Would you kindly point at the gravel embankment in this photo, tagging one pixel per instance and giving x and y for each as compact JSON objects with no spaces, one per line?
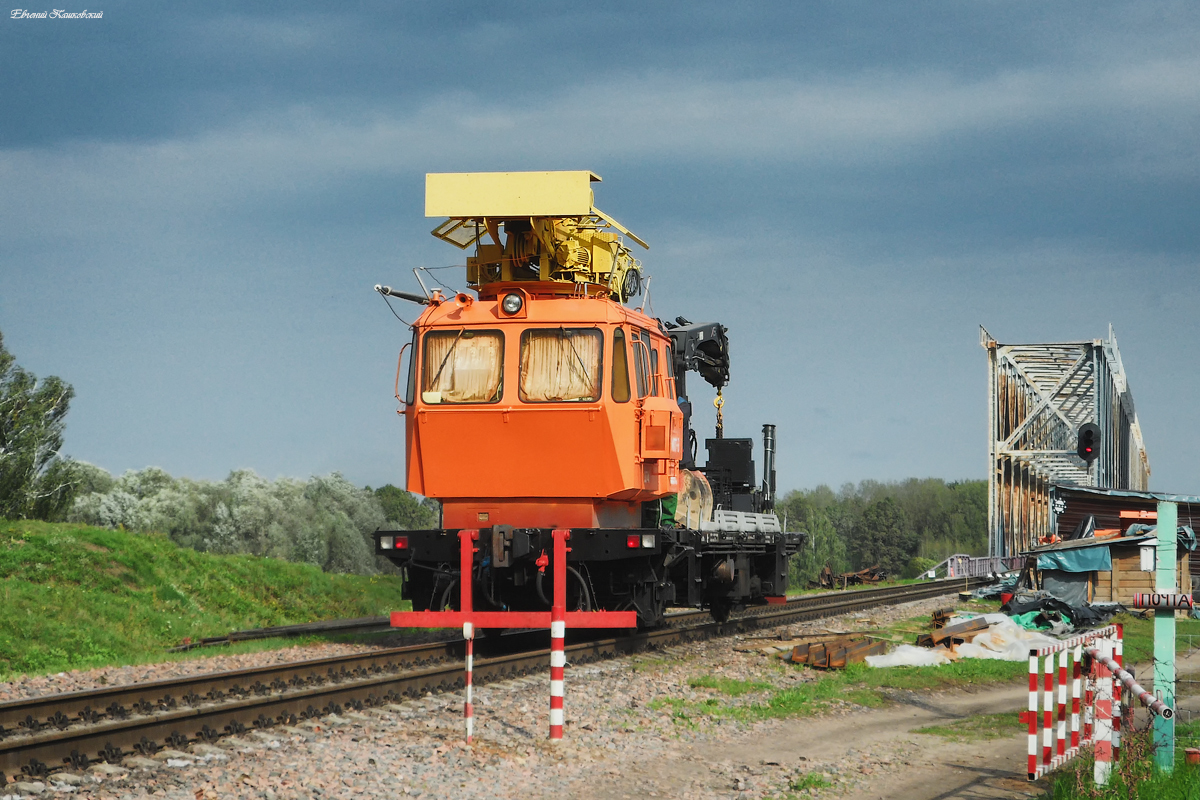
{"x":81,"y":680}
{"x":621,"y":730}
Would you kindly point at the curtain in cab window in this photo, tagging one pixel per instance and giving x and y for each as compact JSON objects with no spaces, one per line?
{"x":560,"y":364}
{"x":463,"y":367}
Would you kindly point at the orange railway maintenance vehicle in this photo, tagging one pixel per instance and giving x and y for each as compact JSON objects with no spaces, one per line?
{"x":546,"y":401}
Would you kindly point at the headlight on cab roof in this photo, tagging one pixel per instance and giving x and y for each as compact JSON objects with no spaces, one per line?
{"x":511,"y":303}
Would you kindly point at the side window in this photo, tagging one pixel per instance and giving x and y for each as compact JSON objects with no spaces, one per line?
{"x":462,"y":366}
{"x":651,"y":367}
{"x":654,"y":370}
{"x":669,"y":371}
{"x":411,"y":389}
{"x":620,"y":377}
{"x":561,"y":364}
{"x":641,"y":368}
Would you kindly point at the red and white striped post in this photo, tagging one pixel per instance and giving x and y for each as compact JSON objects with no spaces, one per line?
{"x":1089,"y":706}
{"x":1061,"y":749}
{"x":1048,"y":712}
{"x":468,"y":704}
{"x":1104,"y":717}
{"x":1119,"y":657}
{"x":558,"y":632}
{"x":1076,"y":680}
{"x":466,"y":578}
{"x":1032,"y":717}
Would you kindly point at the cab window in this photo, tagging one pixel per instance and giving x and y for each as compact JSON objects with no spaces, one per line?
{"x":463,"y":366}
{"x":411,"y":386}
{"x":669,"y":371}
{"x":653,"y":370}
{"x":641,"y":368}
{"x":560,"y":365}
{"x":620,"y":376}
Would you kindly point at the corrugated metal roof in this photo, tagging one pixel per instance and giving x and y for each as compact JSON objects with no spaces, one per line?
{"x":1078,"y":543}
{"x":1158,"y":496}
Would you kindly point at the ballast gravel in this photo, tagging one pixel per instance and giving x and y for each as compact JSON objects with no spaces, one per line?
{"x":623,"y":718}
{"x":26,"y":687}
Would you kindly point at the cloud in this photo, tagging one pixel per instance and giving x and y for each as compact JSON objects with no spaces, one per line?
{"x":1149,"y":111}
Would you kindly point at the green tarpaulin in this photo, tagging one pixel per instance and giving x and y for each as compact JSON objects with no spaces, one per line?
{"x":1083,"y":559}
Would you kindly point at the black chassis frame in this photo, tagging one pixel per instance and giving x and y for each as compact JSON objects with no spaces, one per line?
{"x":670,"y":567}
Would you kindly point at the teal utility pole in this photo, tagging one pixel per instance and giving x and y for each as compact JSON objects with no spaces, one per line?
{"x":1164,"y":637}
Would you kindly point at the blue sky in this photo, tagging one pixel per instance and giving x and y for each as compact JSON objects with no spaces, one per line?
{"x":196,"y":199}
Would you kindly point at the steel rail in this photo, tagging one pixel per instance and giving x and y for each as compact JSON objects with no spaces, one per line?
{"x":68,"y":728}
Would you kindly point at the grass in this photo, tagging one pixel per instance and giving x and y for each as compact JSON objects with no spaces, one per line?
{"x":729,"y":686}
{"x":1187,"y":734}
{"x":1139,"y":637}
{"x":1134,"y":776}
{"x":859,"y":586}
{"x":79,"y":597}
{"x":809,"y":780}
{"x":858,"y":684}
{"x":980,"y":728}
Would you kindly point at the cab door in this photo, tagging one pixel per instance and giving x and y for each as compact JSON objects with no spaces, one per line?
{"x":660,"y":422}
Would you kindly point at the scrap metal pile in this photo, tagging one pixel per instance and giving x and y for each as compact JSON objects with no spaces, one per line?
{"x":827,"y":580}
{"x":838,"y":653}
{"x":949,"y":636}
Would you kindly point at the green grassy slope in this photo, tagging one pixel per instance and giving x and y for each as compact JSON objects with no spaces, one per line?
{"x":73,"y":596}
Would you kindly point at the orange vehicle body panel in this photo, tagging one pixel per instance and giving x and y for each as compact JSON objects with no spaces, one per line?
{"x":545,"y":464}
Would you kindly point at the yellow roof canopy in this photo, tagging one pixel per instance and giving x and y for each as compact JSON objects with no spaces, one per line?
{"x":499,"y":195}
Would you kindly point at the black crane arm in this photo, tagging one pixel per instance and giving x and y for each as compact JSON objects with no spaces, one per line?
{"x":702,"y":348}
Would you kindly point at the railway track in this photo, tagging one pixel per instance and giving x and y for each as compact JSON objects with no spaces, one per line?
{"x":41,"y":735}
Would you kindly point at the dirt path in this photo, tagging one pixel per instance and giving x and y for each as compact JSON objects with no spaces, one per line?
{"x":865,"y":755}
{"x":886,"y":760}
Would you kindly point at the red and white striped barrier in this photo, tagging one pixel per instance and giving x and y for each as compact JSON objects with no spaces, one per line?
{"x":557,"y":619}
{"x":1097,"y":722}
{"x":1121,"y":677}
{"x":1049,"y":745}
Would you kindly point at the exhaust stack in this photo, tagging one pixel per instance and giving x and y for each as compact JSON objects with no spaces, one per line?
{"x":768,"y":488}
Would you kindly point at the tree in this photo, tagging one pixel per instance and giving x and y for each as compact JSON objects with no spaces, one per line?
{"x":34,"y":480}
{"x":884,"y":537}
{"x":402,"y":508}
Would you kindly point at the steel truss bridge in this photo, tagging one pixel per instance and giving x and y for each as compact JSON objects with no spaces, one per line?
{"x":1038,"y":397}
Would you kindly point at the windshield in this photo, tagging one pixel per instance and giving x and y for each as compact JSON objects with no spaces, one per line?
{"x":560,"y":364}
{"x":463,"y":366}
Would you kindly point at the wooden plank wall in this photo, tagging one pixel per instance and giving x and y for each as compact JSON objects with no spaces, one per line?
{"x":1127,"y":577}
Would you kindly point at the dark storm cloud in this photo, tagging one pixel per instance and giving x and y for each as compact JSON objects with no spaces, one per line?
{"x":148,"y":72}
{"x":201,"y":195}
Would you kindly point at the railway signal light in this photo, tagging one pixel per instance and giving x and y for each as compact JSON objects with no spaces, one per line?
{"x":1088,"y":447}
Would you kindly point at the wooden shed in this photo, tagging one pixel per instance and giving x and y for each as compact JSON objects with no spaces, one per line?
{"x":1112,"y":515}
{"x":1075,"y":571}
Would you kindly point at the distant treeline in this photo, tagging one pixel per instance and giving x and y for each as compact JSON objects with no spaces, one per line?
{"x":325,"y":521}
{"x":906,"y":527}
